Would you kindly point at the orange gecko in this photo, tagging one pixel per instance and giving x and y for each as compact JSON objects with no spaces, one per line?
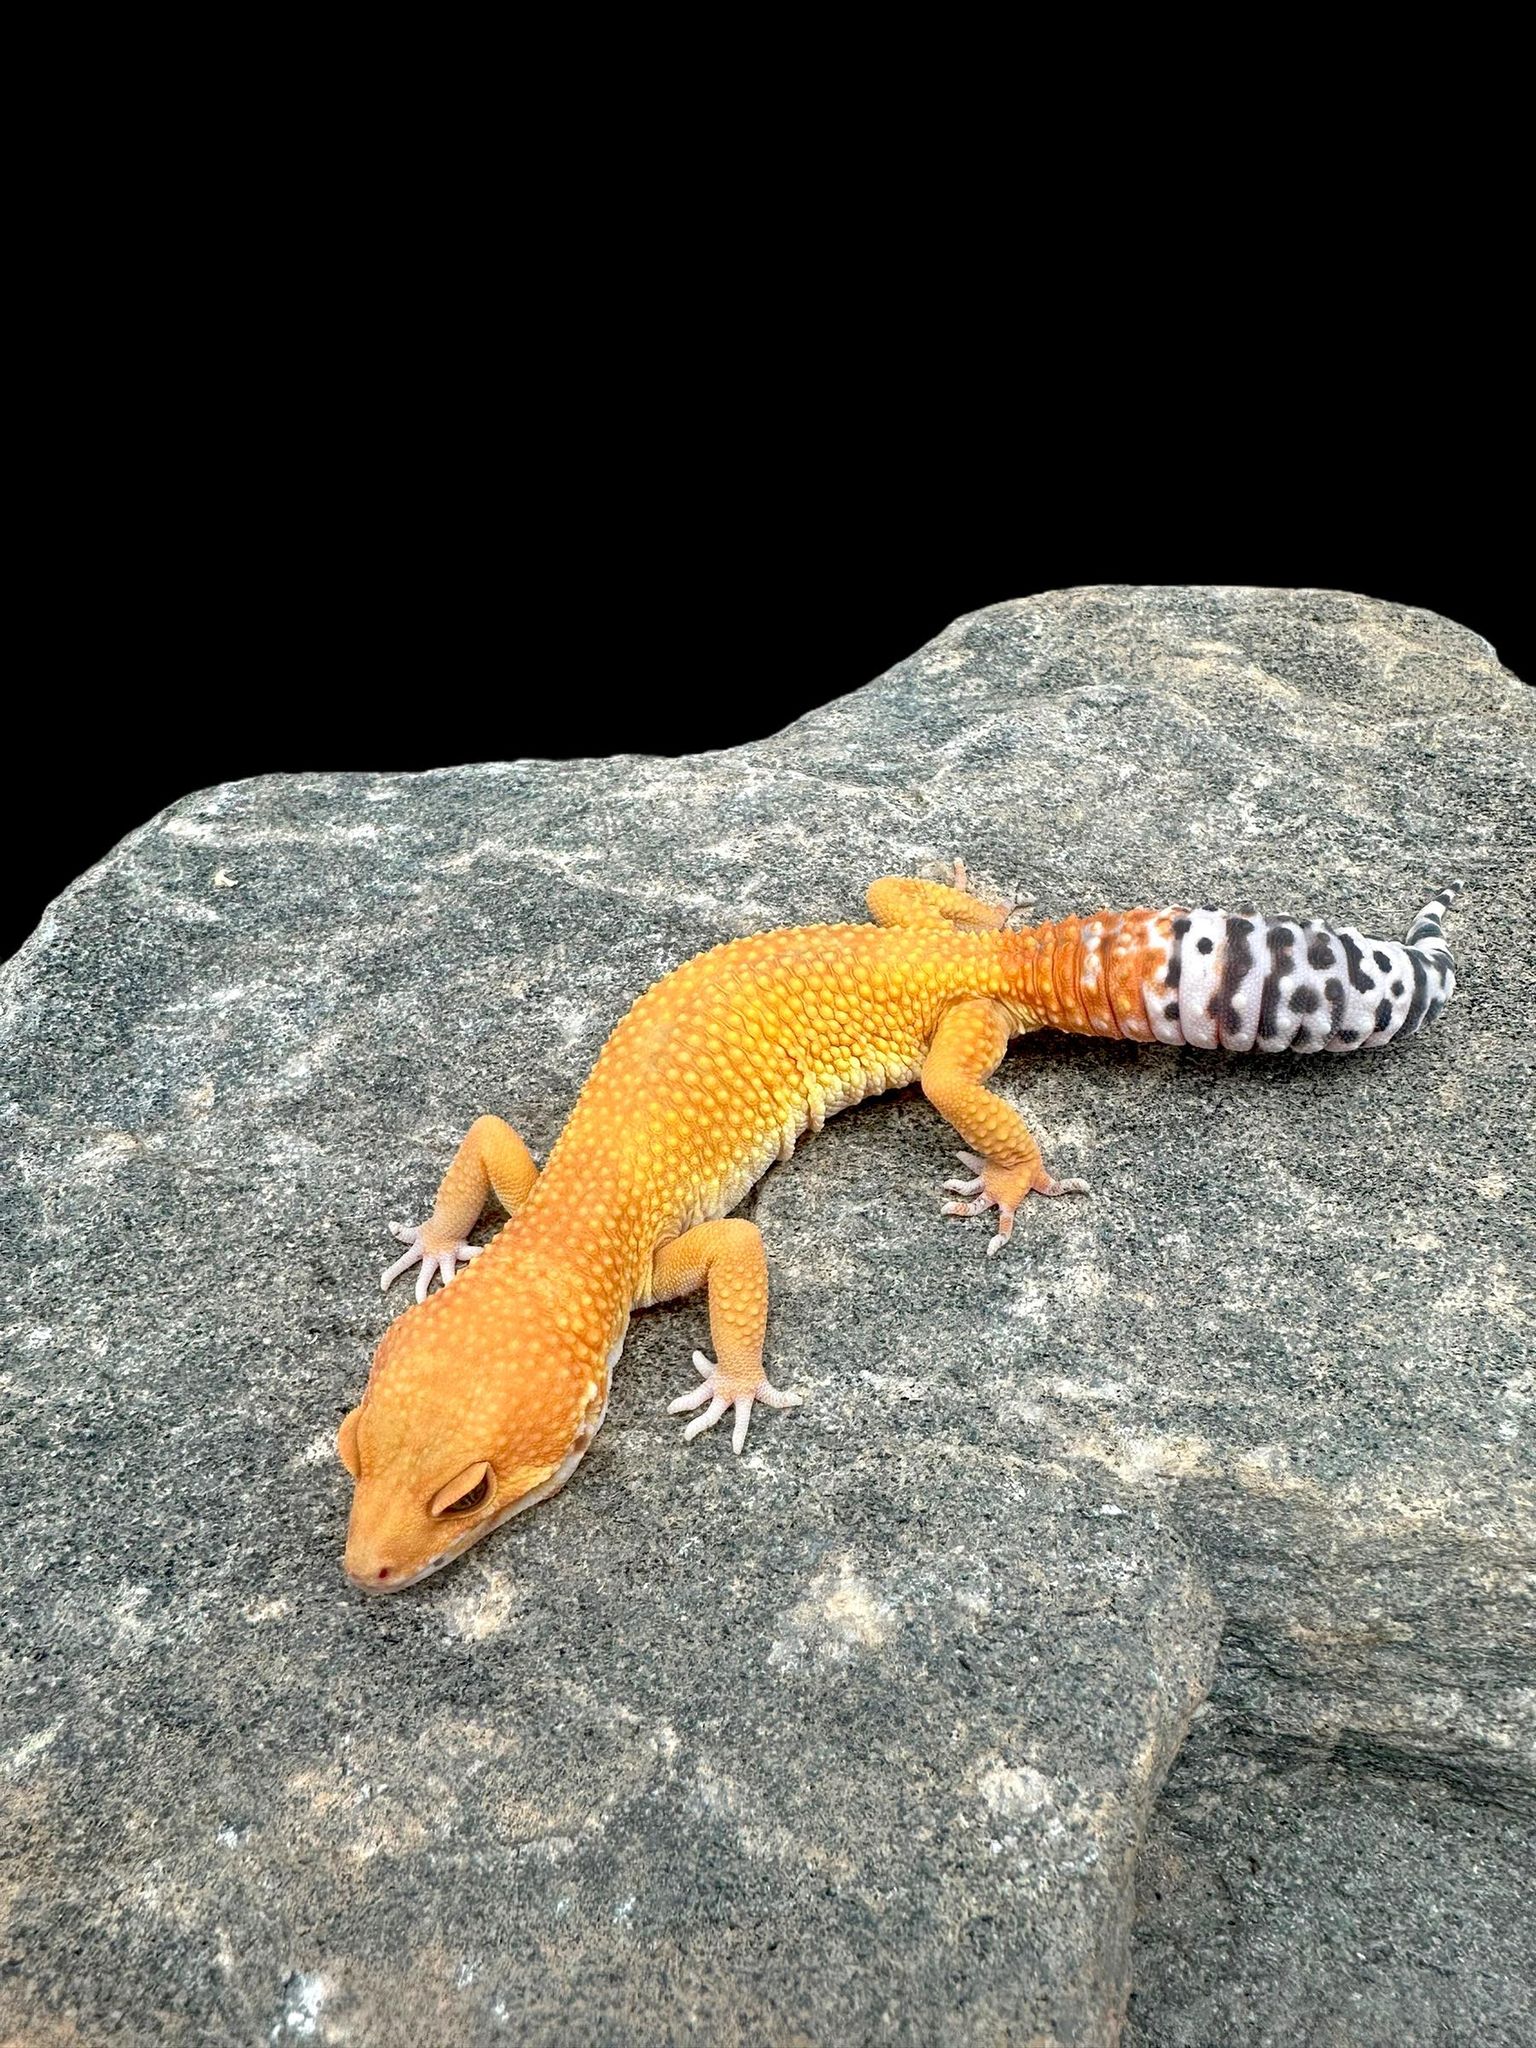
{"x":483,"y":1398}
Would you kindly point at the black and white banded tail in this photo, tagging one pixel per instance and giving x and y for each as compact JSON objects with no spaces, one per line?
{"x":1275,"y":984}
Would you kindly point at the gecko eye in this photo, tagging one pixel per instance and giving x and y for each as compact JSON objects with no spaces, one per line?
{"x":461,"y":1496}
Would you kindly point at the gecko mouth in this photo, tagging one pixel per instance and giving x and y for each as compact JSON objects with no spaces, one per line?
{"x":386,"y":1581}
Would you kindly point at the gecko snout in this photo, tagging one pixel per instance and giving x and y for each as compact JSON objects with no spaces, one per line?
{"x":374,"y":1570}
{"x":394,"y":1540}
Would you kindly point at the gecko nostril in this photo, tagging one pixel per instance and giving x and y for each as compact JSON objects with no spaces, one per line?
{"x":383,"y":1571}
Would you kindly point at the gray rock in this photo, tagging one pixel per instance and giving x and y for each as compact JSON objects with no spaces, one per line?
{"x":856,"y":1738}
{"x":1298,"y":1894}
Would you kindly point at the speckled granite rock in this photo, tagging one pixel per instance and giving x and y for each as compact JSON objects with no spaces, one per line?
{"x":856,"y":1738}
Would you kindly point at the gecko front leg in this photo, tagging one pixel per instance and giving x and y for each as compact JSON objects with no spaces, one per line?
{"x":492,"y":1157}
{"x":729,"y":1259}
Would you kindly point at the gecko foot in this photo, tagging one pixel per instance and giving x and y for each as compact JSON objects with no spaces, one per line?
{"x":1016,"y":899}
{"x":725,"y":1390}
{"x":436,"y":1254}
{"x":1002,"y":1188}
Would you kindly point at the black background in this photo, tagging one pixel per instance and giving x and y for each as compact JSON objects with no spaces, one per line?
{"x":389,"y":405}
{"x":272,"y":588}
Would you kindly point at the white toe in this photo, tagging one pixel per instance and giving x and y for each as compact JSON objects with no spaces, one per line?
{"x":684,"y":1402}
{"x":707,"y":1420}
{"x":392,"y":1273}
{"x":443,"y":1264}
{"x":772,"y":1398}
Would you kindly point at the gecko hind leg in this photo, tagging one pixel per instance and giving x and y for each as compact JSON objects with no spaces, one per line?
{"x":492,"y":1158}
{"x":965,"y":1051}
{"x":903,"y":904}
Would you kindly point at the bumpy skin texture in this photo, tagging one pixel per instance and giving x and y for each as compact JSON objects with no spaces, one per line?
{"x":483,"y":1398}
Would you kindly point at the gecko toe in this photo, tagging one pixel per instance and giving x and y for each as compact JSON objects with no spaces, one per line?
{"x":773,"y":1397}
{"x":707,"y":1420}
{"x":392,"y":1273}
{"x":684,"y":1402}
{"x":770,"y":1398}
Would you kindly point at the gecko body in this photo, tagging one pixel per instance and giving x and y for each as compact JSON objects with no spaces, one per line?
{"x":483,"y":1398}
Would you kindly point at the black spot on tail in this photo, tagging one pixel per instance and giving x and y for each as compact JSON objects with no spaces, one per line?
{"x":1304,"y":999}
{"x":1282,"y":940}
{"x":1334,"y":991}
{"x":1383,"y":1014}
{"x":1320,"y":951}
{"x":1239,"y":958}
{"x":1355,"y":961}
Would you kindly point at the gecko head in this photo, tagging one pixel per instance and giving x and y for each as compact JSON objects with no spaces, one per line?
{"x":451,"y":1438}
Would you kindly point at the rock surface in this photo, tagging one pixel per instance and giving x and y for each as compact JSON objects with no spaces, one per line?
{"x":1288,"y":1893}
{"x":857,"y":1738}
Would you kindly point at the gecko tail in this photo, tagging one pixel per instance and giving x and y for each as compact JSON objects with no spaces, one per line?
{"x":1237,"y":980}
{"x":1426,"y":924}
{"x":1277,"y":984}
